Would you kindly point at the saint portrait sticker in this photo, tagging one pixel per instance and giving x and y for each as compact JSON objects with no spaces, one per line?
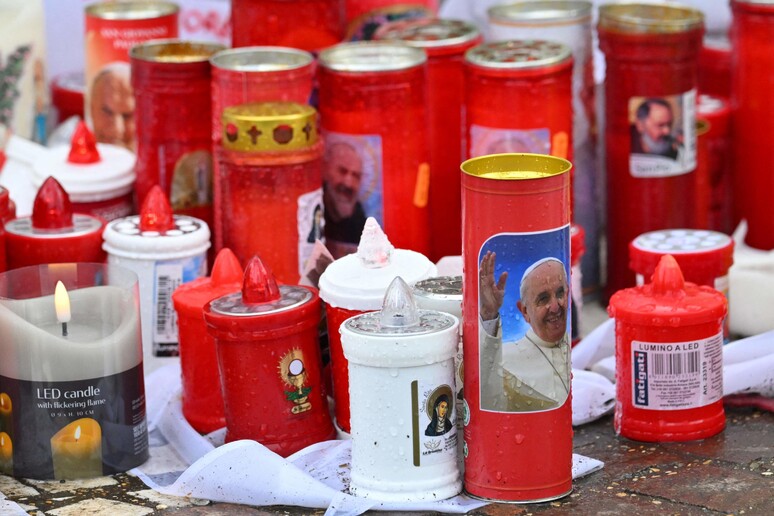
{"x":663,"y":135}
{"x":524,"y":321}
{"x":436,"y":438}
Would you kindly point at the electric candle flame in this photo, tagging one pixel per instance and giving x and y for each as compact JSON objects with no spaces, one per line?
{"x":62,"y":306}
{"x":77,"y":434}
{"x":374,"y":249}
{"x":399,"y":308}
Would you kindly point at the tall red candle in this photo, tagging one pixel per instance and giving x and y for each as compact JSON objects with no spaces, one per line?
{"x":445,"y":43}
{"x":373,"y":115}
{"x":269,"y":197}
{"x":715,"y":143}
{"x":171,"y":81}
{"x":651,"y":52}
{"x":534,"y":80}
{"x":305,"y":24}
{"x":269,"y":359}
{"x":98,"y":177}
{"x":752,"y":69}
{"x":53,"y":233}
{"x":516,"y":254}
{"x":202,"y":398}
{"x":715,"y":66}
{"x":669,"y":358}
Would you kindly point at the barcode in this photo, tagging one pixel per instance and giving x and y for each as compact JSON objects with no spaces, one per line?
{"x":164,"y":292}
{"x":676,"y":363}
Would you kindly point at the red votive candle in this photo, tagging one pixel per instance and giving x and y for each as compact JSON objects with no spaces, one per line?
{"x":202,"y":398}
{"x":715,"y":65}
{"x":752,"y":69}
{"x":445,"y":43}
{"x":714,"y":148}
{"x":651,"y":52}
{"x":669,"y":358}
{"x":269,"y":359}
{"x":577,"y":249}
{"x":98,"y":177}
{"x":269,"y":197}
{"x":355,"y":284}
{"x":305,"y":24}
{"x":171,"y":82}
{"x":534,"y":79}
{"x":53,"y":233}
{"x":374,"y":121}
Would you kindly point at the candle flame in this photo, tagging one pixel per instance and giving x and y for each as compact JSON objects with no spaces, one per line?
{"x":77,"y":432}
{"x":2,"y":401}
{"x":2,"y":441}
{"x":61,"y":303}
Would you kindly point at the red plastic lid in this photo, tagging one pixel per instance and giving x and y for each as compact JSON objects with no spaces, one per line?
{"x":226,"y":277}
{"x":703,"y":255}
{"x":669,"y":301}
{"x":260,"y":285}
{"x":83,"y":146}
{"x":577,"y":243}
{"x":156,"y":212}
{"x":52,"y":208}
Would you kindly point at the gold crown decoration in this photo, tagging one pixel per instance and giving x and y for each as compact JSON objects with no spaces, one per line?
{"x":269,"y":127}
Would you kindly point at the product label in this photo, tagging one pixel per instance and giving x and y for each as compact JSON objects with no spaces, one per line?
{"x":524,"y":321}
{"x":74,"y":429}
{"x":352,"y":188}
{"x":488,"y":140}
{"x":311,"y":225}
{"x":191,"y":179}
{"x":677,"y":375}
{"x":663,"y":135}
{"x":168,"y":275}
{"x":433,"y":416}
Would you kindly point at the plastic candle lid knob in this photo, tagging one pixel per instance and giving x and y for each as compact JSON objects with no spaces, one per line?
{"x":226,"y":269}
{"x":374,"y":249}
{"x":668,"y":278}
{"x":52,"y":208}
{"x":399,"y":308}
{"x":83,"y":146}
{"x":259,"y":285}
{"x":156,"y":213}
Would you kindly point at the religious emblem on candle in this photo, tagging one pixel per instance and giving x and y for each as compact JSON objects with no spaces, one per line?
{"x":6,"y":414}
{"x":439,"y":409}
{"x":293,"y":373}
{"x":62,"y":306}
{"x":6,"y":454}
{"x":76,"y":450}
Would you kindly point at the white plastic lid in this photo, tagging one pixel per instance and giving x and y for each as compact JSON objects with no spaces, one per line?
{"x":359,"y":281}
{"x":124,"y":238}
{"x":111,"y":177}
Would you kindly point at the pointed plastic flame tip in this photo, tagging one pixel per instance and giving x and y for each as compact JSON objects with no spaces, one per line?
{"x":52,"y":208}
{"x":668,"y":278}
{"x":399,"y":309}
{"x":83,"y":146}
{"x":156,"y":213}
{"x":226,"y":269}
{"x":374,"y":249}
{"x":259,"y":285}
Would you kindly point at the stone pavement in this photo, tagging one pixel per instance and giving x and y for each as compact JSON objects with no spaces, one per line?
{"x":731,"y":473}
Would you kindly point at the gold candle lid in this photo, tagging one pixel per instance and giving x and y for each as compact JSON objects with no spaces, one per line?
{"x":663,"y":18}
{"x":269,"y":127}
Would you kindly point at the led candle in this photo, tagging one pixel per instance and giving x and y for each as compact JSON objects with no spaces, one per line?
{"x":269,"y":196}
{"x":98,"y":177}
{"x":752,"y":60}
{"x":65,"y":383}
{"x":356,"y":284}
{"x":269,"y":359}
{"x":401,"y":372}
{"x":202,"y":398}
{"x":76,"y":450}
{"x":165,"y":250}
{"x":651,"y":55}
{"x":112,"y":28}
{"x":53,"y":233}
{"x":445,"y":43}
{"x":516,"y":292}
{"x":669,"y":358}
{"x":171,"y":82}
{"x":373,"y":111}
{"x":306,"y":24}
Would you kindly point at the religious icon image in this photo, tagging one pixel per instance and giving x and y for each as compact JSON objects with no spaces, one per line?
{"x":439,"y":409}
{"x":293,"y":373}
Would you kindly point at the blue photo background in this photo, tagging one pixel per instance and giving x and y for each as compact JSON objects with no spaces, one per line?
{"x":515,"y":253}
